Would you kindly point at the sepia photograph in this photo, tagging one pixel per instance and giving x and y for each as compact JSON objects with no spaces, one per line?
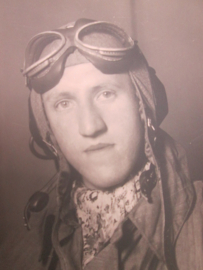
{"x":101,"y":141}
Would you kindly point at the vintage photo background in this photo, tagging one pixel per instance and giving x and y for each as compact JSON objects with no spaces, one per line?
{"x":170,"y":33}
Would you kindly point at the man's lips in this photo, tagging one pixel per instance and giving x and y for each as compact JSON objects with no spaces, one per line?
{"x":98,"y":147}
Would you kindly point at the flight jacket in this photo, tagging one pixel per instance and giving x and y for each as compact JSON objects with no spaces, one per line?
{"x":164,"y":234}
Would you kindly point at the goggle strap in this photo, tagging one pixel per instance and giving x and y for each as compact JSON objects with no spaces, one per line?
{"x":39,"y":68}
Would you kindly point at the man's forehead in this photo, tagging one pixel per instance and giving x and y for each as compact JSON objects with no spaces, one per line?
{"x":85,"y":77}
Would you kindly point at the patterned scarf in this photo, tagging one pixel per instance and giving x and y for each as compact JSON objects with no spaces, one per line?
{"x":100,"y":212}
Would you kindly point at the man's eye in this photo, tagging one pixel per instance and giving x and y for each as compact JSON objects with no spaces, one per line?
{"x":64,"y":104}
{"x":106,"y":95}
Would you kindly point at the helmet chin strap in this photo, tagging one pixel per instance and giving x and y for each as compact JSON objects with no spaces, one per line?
{"x":38,"y":154}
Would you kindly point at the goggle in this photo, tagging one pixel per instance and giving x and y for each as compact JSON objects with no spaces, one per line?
{"x":44,"y":72}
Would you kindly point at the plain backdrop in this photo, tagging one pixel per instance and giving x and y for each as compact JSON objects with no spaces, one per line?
{"x":169,"y":32}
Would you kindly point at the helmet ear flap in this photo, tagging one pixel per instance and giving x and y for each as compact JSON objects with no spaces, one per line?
{"x":160,"y":96}
{"x":36,"y":138}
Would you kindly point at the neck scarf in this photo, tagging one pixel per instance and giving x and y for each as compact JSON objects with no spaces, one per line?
{"x":100,"y":212}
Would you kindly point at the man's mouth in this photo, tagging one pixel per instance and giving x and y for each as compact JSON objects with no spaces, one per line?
{"x":98,"y":147}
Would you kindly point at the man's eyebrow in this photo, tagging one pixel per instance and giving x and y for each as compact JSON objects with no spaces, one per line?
{"x":104,"y":86}
{"x":70,"y":94}
{"x":58,"y":95}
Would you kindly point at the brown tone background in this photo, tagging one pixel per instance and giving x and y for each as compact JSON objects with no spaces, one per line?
{"x":170,"y":33}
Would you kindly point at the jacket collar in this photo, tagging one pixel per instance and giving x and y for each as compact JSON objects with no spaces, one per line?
{"x":149,"y":220}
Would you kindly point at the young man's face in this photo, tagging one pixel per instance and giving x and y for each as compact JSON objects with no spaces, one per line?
{"x":95,"y":120}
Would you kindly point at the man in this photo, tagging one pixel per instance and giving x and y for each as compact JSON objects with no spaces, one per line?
{"x":124,"y":197}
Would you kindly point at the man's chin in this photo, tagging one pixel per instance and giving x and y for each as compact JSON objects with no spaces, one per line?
{"x":104,"y":182}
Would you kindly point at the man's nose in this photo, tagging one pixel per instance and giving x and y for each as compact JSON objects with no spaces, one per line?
{"x":91,"y":122}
